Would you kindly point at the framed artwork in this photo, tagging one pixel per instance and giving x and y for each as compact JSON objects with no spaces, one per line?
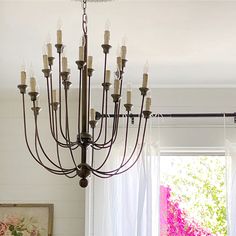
{"x":26,"y":219}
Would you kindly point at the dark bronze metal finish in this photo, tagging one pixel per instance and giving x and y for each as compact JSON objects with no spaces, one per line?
{"x":59,"y":48}
{"x":147,"y":114}
{"x":128,"y":106}
{"x":93,"y":123}
{"x":80,"y":64}
{"x":116,"y":97}
{"x":64,"y":75}
{"x":85,"y":138}
{"x":50,"y":61}
{"x":22,"y":88}
{"x":106,"y":85}
{"x":66,"y":84}
{"x":143,"y":91}
{"x":33,"y":96}
{"x":106,"y":48}
{"x":90,"y":72}
{"x":55,"y":106}
{"x":36,"y":110}
{"x":46,"y":72}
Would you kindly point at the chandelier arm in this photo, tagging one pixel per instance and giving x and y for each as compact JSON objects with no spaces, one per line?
{"x":51,"y":116}
{"x":110,"y":147}
{"x":92,"y":156}
{"x":67,"y":129}
{"x":50,"y":100}
{"x":136,"y":143}
{"x":105,"y":175}
{"x":60,"y":93}
{"x":125,"y":149}
{"x":106,"y":105}
{"x":98,"y":146}
{"x":37,"y":140}
{"x":59,"y":159}
{"x":28,"y":146}
{"x":79,"y":105}
{"x":68,"y":135}
{"x":103,"y":99}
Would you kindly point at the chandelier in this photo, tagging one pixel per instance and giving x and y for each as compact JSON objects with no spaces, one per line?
{"x":89,"y":120}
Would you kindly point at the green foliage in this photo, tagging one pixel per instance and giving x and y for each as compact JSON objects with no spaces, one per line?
{"x":199,"y":182}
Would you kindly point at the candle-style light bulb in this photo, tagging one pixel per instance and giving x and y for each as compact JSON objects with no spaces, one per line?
{"x":49,"y":46}
{"x":23,"y":75}
{"x":81,"y":53}
{"x":107,"y":76}
{"x":148,"y":103}
{"x":45,"y":58}
{"x":129,"y":94}
{"x":92,"y":114}
{"x":118,"y":59}
{"x":107,"y":32}
{"x":59,"y":31}
{"x":145,"y":75}
{"x":32,"y":84}
{"x":123,"y":49}
{"x":64,"y":63}
{"x":90,"y":62}
{"x":54,"y":95}
{"x":116,"y":86}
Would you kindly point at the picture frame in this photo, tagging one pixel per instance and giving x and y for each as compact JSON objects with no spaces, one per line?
{"x":26,"y":219}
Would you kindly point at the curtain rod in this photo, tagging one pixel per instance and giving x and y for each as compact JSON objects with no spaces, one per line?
{"x":174,"y":115}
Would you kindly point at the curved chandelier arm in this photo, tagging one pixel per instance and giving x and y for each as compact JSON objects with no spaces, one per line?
{"x":104,"y":174}
{"x":59,"y":160}
{"x":79,"y":104}
{"x":58,"y":172}
{"x":37,"y":140}
{"x":136,"y":143}
{"x":98,"y":146}
{"x":51,"y":115}
{"x":103,"y":99}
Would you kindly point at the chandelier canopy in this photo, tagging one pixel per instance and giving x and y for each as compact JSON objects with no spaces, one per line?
{"x":88,"y":118}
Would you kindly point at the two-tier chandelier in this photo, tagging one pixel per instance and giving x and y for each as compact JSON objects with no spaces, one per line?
{"x":88,"y":118}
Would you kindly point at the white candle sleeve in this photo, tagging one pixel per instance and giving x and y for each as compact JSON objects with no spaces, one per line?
{"x":90,"y":62}
{"x":123,"y":52}
{"x":23,"y":77}
{"x":49,"y":49}
{"x":106,"y":36}
{"x":129,"y":95}
{"x":116,"y":86}
{"x":119,"y":63}
{"x":148,"y":103}
{"x":64,"y":64}
{"x":81,"y":53}
{"x":108,"y":75}
{"x":145,"y":80}
{"x":59,"y":36}
{"x":33,"y":84}
{"x":45,"y":61}
{"x":92,"y":114}
{"x":54,"y":95}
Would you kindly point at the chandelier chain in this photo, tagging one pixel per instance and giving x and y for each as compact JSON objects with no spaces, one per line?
{"x":84,"y":17}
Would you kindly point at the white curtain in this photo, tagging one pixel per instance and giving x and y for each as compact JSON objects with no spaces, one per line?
{"x":231,"y":187}
{"x":128,"y":204}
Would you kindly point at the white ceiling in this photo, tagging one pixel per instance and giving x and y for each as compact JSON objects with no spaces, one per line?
{"x":187,"y":43}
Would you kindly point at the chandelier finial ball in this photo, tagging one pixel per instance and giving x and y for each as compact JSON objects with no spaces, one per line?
{"x":83,"y":183}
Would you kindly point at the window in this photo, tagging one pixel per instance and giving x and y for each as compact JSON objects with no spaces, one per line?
{"x":193,"y":195}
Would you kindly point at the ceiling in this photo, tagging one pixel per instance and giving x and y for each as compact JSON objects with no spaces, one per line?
{"x":187,"y":43}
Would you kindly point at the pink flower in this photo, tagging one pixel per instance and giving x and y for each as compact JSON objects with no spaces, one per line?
{"x":3,"y":228}
{"x":12,"y":220}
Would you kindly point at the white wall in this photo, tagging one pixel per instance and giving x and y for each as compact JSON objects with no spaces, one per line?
{"x":23,"y":181}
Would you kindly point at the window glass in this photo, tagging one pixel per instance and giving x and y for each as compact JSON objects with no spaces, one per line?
{"x":193,"y":196}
